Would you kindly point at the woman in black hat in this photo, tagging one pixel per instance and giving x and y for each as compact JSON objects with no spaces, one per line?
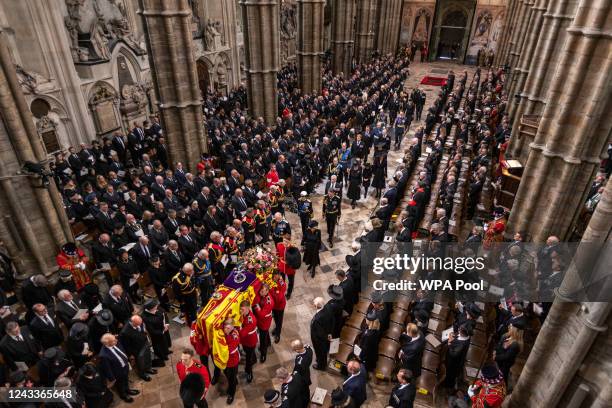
{"x":368,"y":342}
{"x":312,"y":245}
{"x":77,"y":344}
{"x":103,"y":323}
{"x":340,"y":399}
{"x":355,"y":179}
{"x":53,"y":364}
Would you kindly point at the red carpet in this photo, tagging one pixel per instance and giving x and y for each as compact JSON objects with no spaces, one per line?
{"x":434,"y":81}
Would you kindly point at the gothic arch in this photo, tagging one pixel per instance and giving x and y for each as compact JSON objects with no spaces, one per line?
{"x":204,"y":68}
{"x":133,"y":64}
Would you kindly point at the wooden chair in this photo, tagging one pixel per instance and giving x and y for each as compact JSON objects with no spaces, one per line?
{"x":430,"y":361}
{"x":394,"y":331}
{"x":388,"y":348}
{"x":385,"y":367}
{"x":426,"y":388}
{"x":349,"y":334}
{"x":355,"y":320}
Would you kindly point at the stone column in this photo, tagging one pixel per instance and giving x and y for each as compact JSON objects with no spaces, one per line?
{"x":574,"y":130}
{"x":503,"y":42}
{"x":388,"y":26}
{"x":262,"y":53}
{"x":568,"y":332}
{"x":552,"y":35}
{"x":526,"y":53}
{"x":517,"y":7}
{"x":343,"y":19}
{"x":366,"y":17}
{"x":519,"y":36}
{"x":310,"y":44}
{"x":167,"y":27}
{"x":33,"y":223}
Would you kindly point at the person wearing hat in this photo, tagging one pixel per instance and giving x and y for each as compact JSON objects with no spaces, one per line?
{"x":73,"y":259}
{"x":340,"y":399}
{"x":45,"y":328}
{"x":403,"y":394}
{"x":489,"y":391}
{"x":103,"y":323}
{"x":91,"y":386}
{"x":157,"y":324}
{"x":466,"y":315}
{"x":193,"y":391}
{"x":294,"y":390}
{"x":355,"y":179}
{"x":508,"y":348}
{"x":272,"y":398}
{"x":368,"y":342}
{"x":305,"y":212}
{"x":77,"y":344}
{"x":332,"y":210}
{"x":53,"y":364}
{"x":336,"y":305}
{"x":312,"y":246}
{"x":411,"y":352}
{"x":458,"y":346}
{"x":64,"y":281}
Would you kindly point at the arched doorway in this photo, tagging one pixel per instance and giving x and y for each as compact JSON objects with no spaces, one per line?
{"x":203,"y":77}
{"x":452,"y":29}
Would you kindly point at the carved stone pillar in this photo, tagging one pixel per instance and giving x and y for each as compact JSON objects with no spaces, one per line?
{"x":343,"y":19}
{"x":366,"y":18}
{"x":262,"y":54}
{"x":390,"y":15}
{"x":519,"y":36}
{"x":167,"y":27}
{"x":526,"y":53}
{"x":514,"y":28}
{"x":33,"y":223}
{"x":310,"y":44}
{"x":574,"y":130}
{"x":551,"y":38}
{"x":506,"y":31}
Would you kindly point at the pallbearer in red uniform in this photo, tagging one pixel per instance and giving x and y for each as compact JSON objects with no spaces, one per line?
{"x":190,"y":366}
{"x":248,"y":337}
{"x":278,"y":296}
{"x":232,"y":337}
{"x":488,"y":391}
{"x":263,"y":306}
{"x":199,"y":344}
{"x":281,"y":248}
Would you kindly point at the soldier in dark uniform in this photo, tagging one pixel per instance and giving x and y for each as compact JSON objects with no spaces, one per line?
{"x":158,"y":327}
{"x":203,"y":276}
{"x":294,"y":390}
{"x":404,"y":393}
{"x":249,"y":224}
{"x":332,"y":211}
{"x":305,"y":211}
{"x":186,"y":292}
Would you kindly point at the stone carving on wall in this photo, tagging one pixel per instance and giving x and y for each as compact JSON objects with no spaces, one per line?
{"x":103,"y":104}
{"x":483,"y":25}
{"x":119,"y":29}
{"x":28,"y":81}
{"x":213,"y":38}
{"x":288,"y":29}
{"x":99,"y":39}
{"x":45,"y":124}
{"x":195,"y":18}
{"x":72,"y":21}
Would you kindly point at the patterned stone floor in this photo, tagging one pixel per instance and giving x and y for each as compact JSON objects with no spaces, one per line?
{"x":162,"y":391}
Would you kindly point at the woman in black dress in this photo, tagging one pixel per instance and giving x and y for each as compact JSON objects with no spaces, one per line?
{"x":366,"y":178}
{"x":77,"y":344}
{"x":128,"y":270}
{"x":380,"y":174}
{"x":312,"y":245}
{"x":509,"y":346}
{"x":355,"y":179}
{"x":93,"y":388}
{"x":368,"y":342}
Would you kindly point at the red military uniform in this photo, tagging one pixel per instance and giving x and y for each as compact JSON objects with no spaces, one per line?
{"x":196,"y":367}
{"x":263,"y":311}
{"x":248,"y":331}
{"x":282,"y":266}
{"x":231,"y":248}
{"x":197,"y":340}
{"x":72,"y":263}
{"x":233,"y":341}
{"x":491,"y":394}
{"x":278,"y":295}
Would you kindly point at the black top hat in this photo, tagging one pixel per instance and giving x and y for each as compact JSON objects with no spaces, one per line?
{"x":338,"y":397}
{"x":105,"y":317}
{"x":150,"y":304}
{"x":490,"y":374}
{"x":271,"y":396}
{"x":313,"y":224}
{"x":335,"y":292}
{"x":69,"y":249}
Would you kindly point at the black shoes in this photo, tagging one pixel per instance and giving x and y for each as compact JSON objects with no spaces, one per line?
{"x":230,"y":399}
{"x":146,"y":378}
{"x":249,"y":377}
{"x":276,"y":339}
{"x":133,"y":392}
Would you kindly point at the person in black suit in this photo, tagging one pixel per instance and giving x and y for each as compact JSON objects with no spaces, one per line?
{"x":348,"y":290}
{"x":45,"y":328}
{"x":458,"y":346}
{"x":368,"y":341}
{"x":135,"y":341}
{"x":391,"y":194}
{"x":129,"y":272}
{"x":403,"y":233}
{"x":77,"y":344}
{"x":119,"y":304}
{"x":158,"y":327}
{"x":114,"y":367}
{"x":411,"y":352}
{"x":355,"y":385}
{"x":105,"y":221}
{"x":158,"y":237}
{"x":384,"y":213}
{"x":294,"y":389}
{"x":239,"y":203}
{"x":303,"y":359}
{"x":53,"y":364}
{"x":333,"y":183}
{"x":173,"y":258}
{"x":250,"y":193}
{"x":514,"y":317}
{"x":187,"y":243}
{"x":67,"y":306}
{"x":421,"y":305}
{"x":404,"y":393}
{"x":142,"y":252}
{"x":91,"y":386}
{"x":119,"y":146}
{"x":33,"y":291}
{"x":19,"y":345}
{"x":160,"y":277}
{"x":321,"y":327}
